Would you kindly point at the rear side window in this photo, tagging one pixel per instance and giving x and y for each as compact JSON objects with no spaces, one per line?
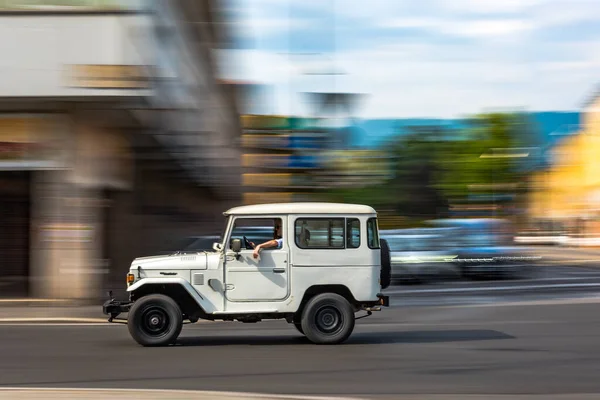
{"x":372,"y":233}
{"x":352,"y":233}
{"x":320,"y":233}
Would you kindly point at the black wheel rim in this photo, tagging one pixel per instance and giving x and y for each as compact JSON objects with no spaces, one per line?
{"x":155,"y":321}
{"x":328,"y":320}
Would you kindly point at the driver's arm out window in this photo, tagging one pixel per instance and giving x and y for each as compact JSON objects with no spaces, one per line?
{"x":254,"y":231}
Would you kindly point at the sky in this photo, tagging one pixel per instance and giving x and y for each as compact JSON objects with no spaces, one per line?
{"x":419,"y":58}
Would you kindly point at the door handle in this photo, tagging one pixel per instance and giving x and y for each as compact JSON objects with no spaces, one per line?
{"x":279,"y":270}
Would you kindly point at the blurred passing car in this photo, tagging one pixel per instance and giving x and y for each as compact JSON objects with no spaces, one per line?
{"x":485,"y":248}
{"x":422,"y":254}
{"x":192,"y":244}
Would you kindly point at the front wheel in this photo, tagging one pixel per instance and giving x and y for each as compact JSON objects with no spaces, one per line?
{"x":328,"y":318}
{"x":155,"y":320}
{"x":298,"y":327}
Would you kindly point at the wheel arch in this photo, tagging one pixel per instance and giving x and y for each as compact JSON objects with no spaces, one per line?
{"x":189,"y":307}
{"x":315,"y":290}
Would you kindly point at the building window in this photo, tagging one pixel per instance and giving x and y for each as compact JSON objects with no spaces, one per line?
{"x":320,"y":233}
{"x":372,"y":234}
{"x":352,"y":233}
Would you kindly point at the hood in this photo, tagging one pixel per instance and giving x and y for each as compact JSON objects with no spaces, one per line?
{"x":147,"y":259}
{"x":180,"y":260}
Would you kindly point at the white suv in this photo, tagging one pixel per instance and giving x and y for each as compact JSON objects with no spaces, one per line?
{"x":313,"y":264}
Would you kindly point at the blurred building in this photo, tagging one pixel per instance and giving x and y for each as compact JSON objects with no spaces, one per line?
{"x":566,"y":195}
{"x":283,"y":158}
{"x":115,"y":137}
{"x":357,"y":168}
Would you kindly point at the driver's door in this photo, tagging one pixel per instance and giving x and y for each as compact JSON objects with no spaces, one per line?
{"x":262,"y":279}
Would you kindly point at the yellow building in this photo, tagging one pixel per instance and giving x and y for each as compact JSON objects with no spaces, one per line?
{"x":568,"y":192}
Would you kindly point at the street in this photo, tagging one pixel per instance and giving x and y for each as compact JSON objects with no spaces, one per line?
{"x":533,"y":341}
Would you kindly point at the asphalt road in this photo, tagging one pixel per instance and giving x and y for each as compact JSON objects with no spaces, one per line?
{"x":522,"y":347}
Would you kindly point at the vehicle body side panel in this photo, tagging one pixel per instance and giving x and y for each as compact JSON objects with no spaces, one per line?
{"x":203,"y":299}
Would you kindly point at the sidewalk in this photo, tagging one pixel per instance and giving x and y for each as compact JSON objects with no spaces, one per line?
{"x":43,"y":310}
{"x":561,"y":254}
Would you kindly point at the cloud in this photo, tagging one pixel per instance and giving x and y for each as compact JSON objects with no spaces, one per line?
{"x":255,"y":66}
{"x":488,"y":6}
{"x":432,"y":58}
{"x":488,"y":28}
{"x":562,"y":13}
{"x":463,"y":28}
{"x":268,"y":26}
{"x":400,"y":87}
{"x":409,"y":22}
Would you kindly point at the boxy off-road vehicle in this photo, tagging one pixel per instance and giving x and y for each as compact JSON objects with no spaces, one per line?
{"x":325,"y":265}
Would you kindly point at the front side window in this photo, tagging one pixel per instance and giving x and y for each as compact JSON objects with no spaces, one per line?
{"x":254,"y":231}
{"x":319,"y":233}
{"x":372,"y":233}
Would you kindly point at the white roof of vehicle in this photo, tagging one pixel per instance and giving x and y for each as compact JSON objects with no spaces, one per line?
{"x":301,"y":208}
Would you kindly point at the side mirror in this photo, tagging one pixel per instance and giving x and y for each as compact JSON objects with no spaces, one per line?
{"x":236,"y":245}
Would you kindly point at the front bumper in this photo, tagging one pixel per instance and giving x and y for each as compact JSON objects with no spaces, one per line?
{"x":113,"y":308}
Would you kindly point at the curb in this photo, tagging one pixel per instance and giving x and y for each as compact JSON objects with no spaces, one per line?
{"x":118,"y":394}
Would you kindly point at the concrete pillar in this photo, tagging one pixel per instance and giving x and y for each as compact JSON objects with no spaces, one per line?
{"x":66,"y":241}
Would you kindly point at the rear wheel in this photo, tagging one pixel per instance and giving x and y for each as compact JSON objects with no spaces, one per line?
{"x":155,"y":320}
{"x":328,"y":318}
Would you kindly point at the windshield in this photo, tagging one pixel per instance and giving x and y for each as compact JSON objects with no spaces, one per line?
{"x":223,"y":237}
{"x":202,"y":243}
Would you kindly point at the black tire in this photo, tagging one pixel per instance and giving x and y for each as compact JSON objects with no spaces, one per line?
{"x":386,"y":265}
{"x":155,"y":320}
{"x":328,"y":318}
{"x":298,"y":327}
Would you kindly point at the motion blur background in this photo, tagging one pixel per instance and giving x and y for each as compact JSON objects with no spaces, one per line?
{"x":128,"y":127}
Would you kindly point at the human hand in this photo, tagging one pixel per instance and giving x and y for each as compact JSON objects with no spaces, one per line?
{"x":256,"y":252}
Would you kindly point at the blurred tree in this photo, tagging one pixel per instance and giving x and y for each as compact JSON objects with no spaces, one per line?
{"x":412,"y":190}
{"x":494,"y":152}
{"x":434,"y":166}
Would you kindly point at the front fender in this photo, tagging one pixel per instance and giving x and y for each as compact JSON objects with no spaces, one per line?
{"x":203,"y":303}
{"x":166,"y":281}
